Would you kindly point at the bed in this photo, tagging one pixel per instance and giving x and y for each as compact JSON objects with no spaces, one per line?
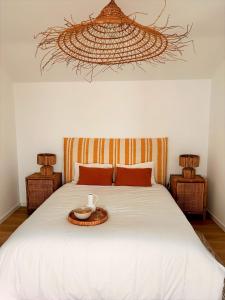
{"x":146,"y":250}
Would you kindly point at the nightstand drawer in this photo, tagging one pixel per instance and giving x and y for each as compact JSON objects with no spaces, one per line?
{"x":190,"y":196}
{"x":190,"y":193}
{"x":35,"y":185}
{"x":39,"y":191}
{"x":40,"y":187}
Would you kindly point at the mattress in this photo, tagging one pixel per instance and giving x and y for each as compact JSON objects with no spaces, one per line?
{"x":147,"y":250}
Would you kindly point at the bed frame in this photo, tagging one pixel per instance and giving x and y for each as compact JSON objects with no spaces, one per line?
{"x":114,"y":151}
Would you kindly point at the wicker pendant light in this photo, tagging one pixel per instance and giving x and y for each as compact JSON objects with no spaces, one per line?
{"x":112,"y":39}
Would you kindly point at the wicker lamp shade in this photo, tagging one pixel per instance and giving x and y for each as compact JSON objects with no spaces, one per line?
{"x":111,"y":39}
{"x":47,"y":160}
{"x":189,"y":162}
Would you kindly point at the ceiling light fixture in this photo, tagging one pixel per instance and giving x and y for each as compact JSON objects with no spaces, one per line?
{"x":110,"y":40}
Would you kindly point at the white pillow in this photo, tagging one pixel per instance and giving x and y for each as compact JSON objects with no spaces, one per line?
{"x":149,"y":164}
{"x":93,"y":165}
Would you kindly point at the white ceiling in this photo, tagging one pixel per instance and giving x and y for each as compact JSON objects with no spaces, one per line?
{"x":21,"y":19}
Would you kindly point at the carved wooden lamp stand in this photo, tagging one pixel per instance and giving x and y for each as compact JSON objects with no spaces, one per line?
{"x":189,"y":162}
{"x":47,"y":160}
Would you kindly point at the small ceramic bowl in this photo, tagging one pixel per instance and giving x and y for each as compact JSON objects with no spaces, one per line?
{"x":82,"y":213}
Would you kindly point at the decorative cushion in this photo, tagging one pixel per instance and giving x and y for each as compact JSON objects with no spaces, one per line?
{"x":91,"y":165}
{"x":95,"y":176}
{"x":133,"y":177}
{"x":149,"y":164}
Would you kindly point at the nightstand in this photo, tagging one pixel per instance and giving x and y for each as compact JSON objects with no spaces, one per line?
{"x":190,"y":194}
{"x":40,"y":187}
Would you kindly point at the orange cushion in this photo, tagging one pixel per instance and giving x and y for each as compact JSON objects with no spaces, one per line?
{"x":133,"y":177}
{"x":95,"y":176}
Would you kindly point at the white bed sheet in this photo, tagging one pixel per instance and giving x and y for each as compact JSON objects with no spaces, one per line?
{"x":146,"y":250}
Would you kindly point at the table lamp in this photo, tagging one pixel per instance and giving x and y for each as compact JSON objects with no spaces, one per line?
{"x":189,"y":162}
{"x":47,"y":160}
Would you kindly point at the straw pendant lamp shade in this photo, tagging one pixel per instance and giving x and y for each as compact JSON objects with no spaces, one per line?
{"x":110,"y":40}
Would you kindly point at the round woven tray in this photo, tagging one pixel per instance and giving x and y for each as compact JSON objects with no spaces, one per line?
{"x":98,"y":217}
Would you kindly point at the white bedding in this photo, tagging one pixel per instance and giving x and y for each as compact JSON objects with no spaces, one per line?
{"x":147,"y":250}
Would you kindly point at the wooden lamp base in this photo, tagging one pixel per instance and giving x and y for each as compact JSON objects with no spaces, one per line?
{"x":188,"y":173}
{"x":46,"y":170}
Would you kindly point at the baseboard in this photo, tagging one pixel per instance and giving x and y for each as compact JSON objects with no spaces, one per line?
{"x":216,"y":220}
{"x":23,"y":203}
{"x":9,"y":212}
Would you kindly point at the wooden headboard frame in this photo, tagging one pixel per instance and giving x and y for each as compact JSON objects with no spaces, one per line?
{"x":114,"y":151}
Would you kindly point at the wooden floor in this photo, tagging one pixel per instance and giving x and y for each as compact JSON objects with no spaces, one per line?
{"x":213,"y":234}
{"x":10,"y":224}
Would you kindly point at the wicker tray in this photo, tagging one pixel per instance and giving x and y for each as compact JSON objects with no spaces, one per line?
{"x":97,"y":217}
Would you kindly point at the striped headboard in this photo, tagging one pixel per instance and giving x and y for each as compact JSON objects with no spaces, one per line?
{"x":114,"y":151}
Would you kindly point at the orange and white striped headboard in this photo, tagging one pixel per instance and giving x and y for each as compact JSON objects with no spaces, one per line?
{"x":115,"y":151}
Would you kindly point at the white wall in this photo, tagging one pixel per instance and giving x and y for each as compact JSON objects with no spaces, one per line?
{"x":216,"y":159}
{"x":46,"y":112}
{"x":9,"y":196}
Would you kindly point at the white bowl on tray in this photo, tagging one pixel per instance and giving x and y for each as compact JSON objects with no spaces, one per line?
{"x":82,"y":213}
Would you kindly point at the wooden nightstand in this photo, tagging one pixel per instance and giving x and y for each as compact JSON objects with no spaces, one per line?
{"x":40,"y":187}
{"x":190,"y":194}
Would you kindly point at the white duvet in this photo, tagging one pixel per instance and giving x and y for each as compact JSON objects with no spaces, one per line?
{"x":146,"y":250}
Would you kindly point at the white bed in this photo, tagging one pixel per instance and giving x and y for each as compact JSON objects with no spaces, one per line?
{"x":146,"y":250}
